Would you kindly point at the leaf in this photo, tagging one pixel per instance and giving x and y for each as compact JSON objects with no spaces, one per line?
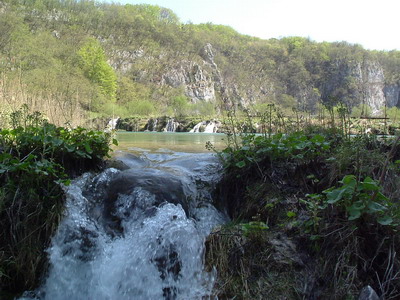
{"x":70,"y":148}
{"x":369,"y":184}
{"x":349,"y":180}
{"x":57,"y":142}
{"x":315,"y":237}
{"x":385,"y":220}
{"x":359,"y":205}
{"x":375,"y":207}
{"x":291,"y":214}
{"x":354,"y":213}
{"x":240,"y":164}
{"x":382,"y":198}
{"x":88,"y":149}
{"x":335,"y":195}
{"x":115,"y":142}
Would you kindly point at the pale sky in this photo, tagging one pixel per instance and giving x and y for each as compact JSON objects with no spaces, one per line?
{"x":374,"y":24}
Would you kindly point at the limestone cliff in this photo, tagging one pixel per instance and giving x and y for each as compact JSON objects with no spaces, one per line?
{"x":203,"y":80}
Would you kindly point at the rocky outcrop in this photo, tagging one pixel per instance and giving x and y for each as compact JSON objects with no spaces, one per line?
{"x":123,"y":60}
{"x":202,"y":80}
{"x":359,"y":82}
{"x":194,"y":78}
{"x":372,"y":83}
{"x":392,"y":95}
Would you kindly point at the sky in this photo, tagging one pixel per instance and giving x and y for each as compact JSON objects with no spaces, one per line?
{"x":374,"y":24}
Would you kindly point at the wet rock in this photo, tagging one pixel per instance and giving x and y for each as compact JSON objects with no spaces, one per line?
{"x":117,"y":164}
{"x":164,"y":186}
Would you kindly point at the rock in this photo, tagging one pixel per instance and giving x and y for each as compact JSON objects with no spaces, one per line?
{"x":392,"y":95}
{"x":285,"y":251}
{"x":368,"y":293}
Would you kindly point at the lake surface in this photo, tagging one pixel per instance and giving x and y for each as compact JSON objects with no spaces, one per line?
{"x":173,"y":141}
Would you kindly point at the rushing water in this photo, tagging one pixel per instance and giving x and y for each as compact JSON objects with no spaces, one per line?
{"x":136,"y":233}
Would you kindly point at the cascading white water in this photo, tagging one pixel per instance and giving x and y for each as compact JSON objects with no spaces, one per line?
{"x":137,"y":233}
{"x":171,"y":125}
{"x":206,"y":127}
{"x":210,"y":128}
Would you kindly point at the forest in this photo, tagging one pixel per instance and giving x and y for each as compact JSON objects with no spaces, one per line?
{"x":80,"y":60}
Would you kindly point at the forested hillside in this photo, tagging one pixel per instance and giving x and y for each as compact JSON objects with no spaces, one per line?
{"x":75,"y":60}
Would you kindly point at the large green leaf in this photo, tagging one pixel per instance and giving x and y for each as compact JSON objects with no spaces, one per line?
{"x":335,"y":195}
{"x":385,"y":220}
{"x":369,"y":184}
{"x":354,"y":213}
{"x":375,"y":207}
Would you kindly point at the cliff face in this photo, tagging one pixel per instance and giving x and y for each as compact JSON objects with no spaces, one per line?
{"x":202,"y":79}
{"x":392,"y":95}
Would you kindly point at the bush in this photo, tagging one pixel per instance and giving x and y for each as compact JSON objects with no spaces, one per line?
{"x":36,"y":158}
{"x":330,"y":203}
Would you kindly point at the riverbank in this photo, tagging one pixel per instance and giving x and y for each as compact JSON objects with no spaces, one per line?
{"x":36,"y":160}
{"x":315,"y":215}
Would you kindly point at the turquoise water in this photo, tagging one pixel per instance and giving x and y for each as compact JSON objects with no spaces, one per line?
{"x":173,"y":141}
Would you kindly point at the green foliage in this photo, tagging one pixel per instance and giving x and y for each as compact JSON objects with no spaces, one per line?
{"x":253,"y":227}
{"x":36,"y":158}
{"x":361,"y":110}
{"x":318,"y":190}
{"x":62,"y":51}
{"x":95,"y":67}
{"x":359,"y":198}
{"x":394,"y":114}
{"x":180,"y":106}
{"x":141,"y":108}
{"x":297,"y":147}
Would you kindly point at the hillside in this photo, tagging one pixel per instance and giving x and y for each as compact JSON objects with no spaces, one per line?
{"x":75,"y":60}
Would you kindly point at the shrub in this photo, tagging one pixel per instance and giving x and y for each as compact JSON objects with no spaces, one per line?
{"x":36,"y":158}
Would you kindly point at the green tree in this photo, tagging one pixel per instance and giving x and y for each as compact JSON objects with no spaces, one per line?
{"x":180,"y":106}
{"x":95,"y":67}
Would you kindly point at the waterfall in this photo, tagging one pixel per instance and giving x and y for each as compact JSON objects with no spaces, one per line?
{"x":152,"y":125}
{"x":197,"y":127}
{"x":171,"y":125}
{"x":210,"y":128}
{"x":155,"y":125}
{"x":206,"y":127}
{"x":112,"y":124}
{"x":137,"y":233}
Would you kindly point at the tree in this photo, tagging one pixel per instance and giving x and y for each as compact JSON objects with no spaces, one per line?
{"x":95,"y":67}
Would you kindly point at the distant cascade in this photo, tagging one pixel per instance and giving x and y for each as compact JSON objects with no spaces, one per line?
{"x":171,"y":125}
{"x":210,"y":128}
{"x":112,"y":124}
{"x":206,"y":127}
{"x":197,"y":127}
{"x":152,"y":125}
{"x":155,"y":125}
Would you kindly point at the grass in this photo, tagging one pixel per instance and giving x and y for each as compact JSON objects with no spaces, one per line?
{"x":329,"y":207}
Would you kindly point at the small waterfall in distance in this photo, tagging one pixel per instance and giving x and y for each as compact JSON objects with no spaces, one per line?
{"x":171,"y":125}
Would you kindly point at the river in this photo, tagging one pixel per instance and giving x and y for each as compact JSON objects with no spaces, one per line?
{"x":138,"y":232}
{"x":171,"y":141}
